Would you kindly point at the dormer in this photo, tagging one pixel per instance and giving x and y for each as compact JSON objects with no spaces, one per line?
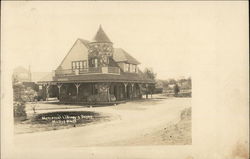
{"x":125,"y":61}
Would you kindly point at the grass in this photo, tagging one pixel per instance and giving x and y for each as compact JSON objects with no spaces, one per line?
{"x":179,"y":133}
{"x":58,"y":120}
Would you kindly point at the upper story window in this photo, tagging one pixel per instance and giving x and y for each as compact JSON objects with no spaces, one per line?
{"x":130,"y":68}
{"x":95,"y":62}
{"x":79,"y":64}
{"x":133,"y":68}
{"x":126,"y":67}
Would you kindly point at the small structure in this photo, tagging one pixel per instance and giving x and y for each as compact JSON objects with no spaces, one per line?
{"x":22,"y":74}
{"x":96,"y":72}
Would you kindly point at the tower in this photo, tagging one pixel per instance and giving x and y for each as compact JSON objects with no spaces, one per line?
{"x":100,"y":49}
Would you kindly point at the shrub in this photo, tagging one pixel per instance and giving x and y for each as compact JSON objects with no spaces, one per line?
{"x":186,"y":113}
{"x":19,"y":110}
{"x":21,"y":96}
{"x":29,"y":95}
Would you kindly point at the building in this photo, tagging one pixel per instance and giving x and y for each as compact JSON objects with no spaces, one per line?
{"x":22,"y":74}
{"x":96,"y":72}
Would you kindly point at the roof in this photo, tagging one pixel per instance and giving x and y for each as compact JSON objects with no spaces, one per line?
{"x":101,"y":36}
{"x":123,"y":77}
{"x":85,"y":42}
{"x":41,"y":76}
{"x":121,"y":55}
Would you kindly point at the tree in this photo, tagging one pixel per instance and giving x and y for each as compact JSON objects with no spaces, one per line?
{"x":176,"y":89}
{"x":21,"y":96}
{"x":19,"y":103}
{"x":149,"y":73}
{"x":171,"y":81}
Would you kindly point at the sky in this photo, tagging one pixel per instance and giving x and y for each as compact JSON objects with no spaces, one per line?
{"x":164,"y":36}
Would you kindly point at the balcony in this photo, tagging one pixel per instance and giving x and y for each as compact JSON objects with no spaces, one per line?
{"x":90,"y":70}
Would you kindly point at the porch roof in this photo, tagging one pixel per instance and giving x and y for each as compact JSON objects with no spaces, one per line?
{"x":123,"y":77}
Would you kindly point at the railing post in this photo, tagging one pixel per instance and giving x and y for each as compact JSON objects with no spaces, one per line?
{"x":77,"y":86}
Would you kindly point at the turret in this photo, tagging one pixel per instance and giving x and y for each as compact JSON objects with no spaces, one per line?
{"x":100,"y":49}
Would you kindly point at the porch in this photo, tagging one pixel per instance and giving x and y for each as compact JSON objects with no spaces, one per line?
{"x":101,"y":93}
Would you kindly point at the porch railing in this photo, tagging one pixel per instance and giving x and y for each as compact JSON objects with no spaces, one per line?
{"x":90,"y":70}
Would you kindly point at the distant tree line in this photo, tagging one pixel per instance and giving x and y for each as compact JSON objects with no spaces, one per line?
{"x":174,"y":85}
{"x":170,"y":84}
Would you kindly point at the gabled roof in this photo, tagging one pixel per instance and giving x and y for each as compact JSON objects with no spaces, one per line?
{"x":101,"y":36}
{"x":121,"y":55}
{"x":84,"y":42}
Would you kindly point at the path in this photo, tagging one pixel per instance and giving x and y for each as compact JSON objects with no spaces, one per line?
{"x":135,"y":120}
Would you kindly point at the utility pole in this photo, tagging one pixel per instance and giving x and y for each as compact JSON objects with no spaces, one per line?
{"x":30,"y":79}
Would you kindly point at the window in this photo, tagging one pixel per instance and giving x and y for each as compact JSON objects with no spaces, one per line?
{"x":126,"y":67}
{"x":130,"y":68}
{"x":79,"y":64}
{"x":85,"y":64}
{"x":73,"y":65}
{"x":136,"y":69}
{"x":95,"y":62}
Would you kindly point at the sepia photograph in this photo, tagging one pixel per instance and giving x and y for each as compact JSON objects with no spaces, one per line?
{"x":108,"y":79}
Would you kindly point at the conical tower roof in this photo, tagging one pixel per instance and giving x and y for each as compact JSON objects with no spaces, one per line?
{"x":101,"y":36}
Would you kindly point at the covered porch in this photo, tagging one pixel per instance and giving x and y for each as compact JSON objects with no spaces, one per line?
{"x":95,"y":92}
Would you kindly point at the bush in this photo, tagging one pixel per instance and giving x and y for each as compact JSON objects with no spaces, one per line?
{"x":186,"y":113}
{"x":29,"y":95}
{"x":21,"y":96}
{"x":19,"y":110}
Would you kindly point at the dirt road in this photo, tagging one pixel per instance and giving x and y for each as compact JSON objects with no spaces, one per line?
{"x":132,"y":120}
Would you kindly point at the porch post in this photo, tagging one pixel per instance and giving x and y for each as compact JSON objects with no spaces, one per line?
{"x":125,"y":86}
{"x":108,"y":86}
{"x":146,"y":91}
{"x":151,"y":91}
{"x":47,"y":91}
{"x":77,"y":86}
{"x":140,"y":92}
{"x":59,"y":85}
{"x":132,"y":92}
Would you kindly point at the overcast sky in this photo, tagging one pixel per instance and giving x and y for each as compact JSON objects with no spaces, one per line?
{"x":165,"y":36}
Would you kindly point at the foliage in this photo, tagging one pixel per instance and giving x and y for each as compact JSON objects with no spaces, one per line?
{"x":176,"y":89}
{"x":184,"y":84}
{"x":21,"y":96}
{"x":19,"y":109}
{"x":149,"y":73}
{"x":29,"y":95}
